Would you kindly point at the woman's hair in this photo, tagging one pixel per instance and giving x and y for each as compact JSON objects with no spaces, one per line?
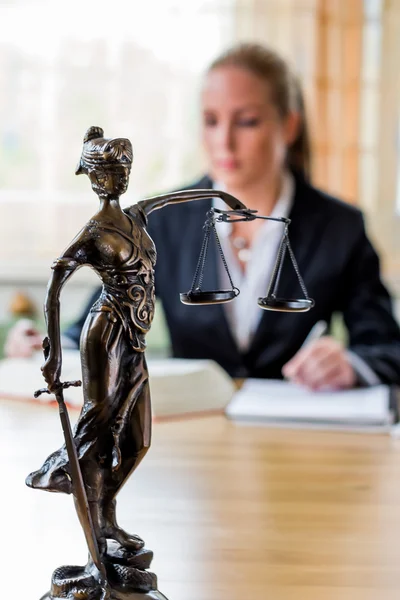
{"x":99,"y":151}
{"x":286,"y":92}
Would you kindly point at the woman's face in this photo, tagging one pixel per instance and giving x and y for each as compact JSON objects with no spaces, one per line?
{"x":110,"y":182}
{"x":244,"y":135}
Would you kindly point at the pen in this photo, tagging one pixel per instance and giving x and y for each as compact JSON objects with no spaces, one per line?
{"x":316,"y":332}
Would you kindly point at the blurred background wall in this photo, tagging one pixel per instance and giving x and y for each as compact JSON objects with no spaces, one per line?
{"x":135,"y":68}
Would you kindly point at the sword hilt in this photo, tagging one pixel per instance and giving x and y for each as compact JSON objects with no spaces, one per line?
{"x":63,"y":386}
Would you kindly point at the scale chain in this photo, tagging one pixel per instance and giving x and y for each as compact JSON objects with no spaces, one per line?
{"x":296,"y":268}
{"x":224,"y":259}
{"x":198,"y":276}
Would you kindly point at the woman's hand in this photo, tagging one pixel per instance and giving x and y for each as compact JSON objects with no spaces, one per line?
{"x":22,"y":340}
{"x":323,"y":364}
{"x":51,"y":368}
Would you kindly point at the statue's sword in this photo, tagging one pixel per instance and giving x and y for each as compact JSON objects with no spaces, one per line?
{"x":79,"y":490}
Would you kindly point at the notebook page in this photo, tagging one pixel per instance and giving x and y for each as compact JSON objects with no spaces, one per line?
{"x":275,"y":399}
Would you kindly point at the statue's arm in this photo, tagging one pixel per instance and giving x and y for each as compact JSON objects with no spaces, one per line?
{"x":74,"y":257}
{"x":157,"y":202}
{"x":62,"y":271}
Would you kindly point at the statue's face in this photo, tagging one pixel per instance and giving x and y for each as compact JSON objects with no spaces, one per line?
{"x":110,"y":181}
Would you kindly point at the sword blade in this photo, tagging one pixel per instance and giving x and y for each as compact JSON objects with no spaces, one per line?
{"x":79,"y":490}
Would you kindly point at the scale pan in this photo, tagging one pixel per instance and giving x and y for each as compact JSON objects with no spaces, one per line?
{"x":213,"y":297}
{"x":286,"y":305}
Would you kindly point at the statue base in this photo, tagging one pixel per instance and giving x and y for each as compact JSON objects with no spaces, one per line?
{"x":127,"y":578}
{"x":154,"y":595}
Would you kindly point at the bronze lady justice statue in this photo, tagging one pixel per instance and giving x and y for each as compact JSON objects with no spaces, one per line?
{"x":113,"y":431}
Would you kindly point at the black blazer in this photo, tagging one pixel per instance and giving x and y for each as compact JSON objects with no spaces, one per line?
{"x":340,"y":269}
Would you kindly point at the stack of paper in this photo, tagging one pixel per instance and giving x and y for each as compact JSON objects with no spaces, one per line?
{"x":177,"y":386}
{"x":285,"y":404}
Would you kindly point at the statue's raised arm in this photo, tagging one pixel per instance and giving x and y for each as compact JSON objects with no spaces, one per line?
{"x":157,"y":202}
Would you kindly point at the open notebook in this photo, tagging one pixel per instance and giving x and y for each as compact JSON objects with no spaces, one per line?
{"x":178,"y":387}
{"x":281,"y":403}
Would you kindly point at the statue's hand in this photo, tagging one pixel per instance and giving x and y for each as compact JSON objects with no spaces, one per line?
{"x":51,"y":368}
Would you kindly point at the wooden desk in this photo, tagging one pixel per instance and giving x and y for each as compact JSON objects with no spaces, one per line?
{"x":231,"y":512}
